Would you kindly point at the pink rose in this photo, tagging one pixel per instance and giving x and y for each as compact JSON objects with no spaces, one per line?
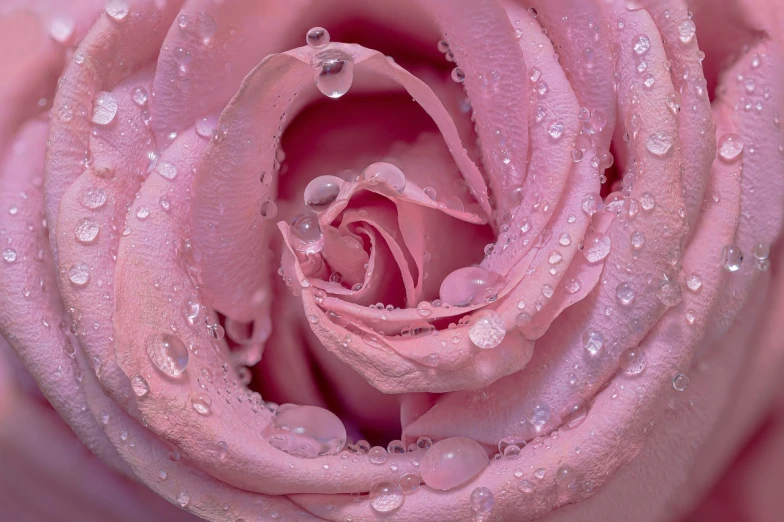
{"x":545,"y":274}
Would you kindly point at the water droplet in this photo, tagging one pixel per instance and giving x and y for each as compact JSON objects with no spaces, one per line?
{"x":658,"y":143}
{"x":482,"y":501}
{"x":306,"y":234}
{"x":669,"y":292}
{"x":637,"y":240}
{"x":632,"y":361}
{"x":470,"y":285}
{"x":680,"y":382}
{"x":649,"y":81}
{"x":61,"y":29}
{"x":458,"y":75}
{"x":139,"y":386}
{"x":647,"y":201}
{"x":556,"y":130}
{"x":322,"y":191}
{"x":305,"y":431}
{"x":9,"y":255}
{"x":140,"y":96}
{"x":694,"y":282}
{"x":597,"y":247}
{"x":317,"y":38}
{"x":452,"y":462}
{"x":386,"y":173}
{"x":334,"y":73}
{"x":625,"y":293}
{"x":105,"y":108}
{"x":539,"y":416}
{"x":183,"y":58}
{"x":205,"y":27}
{"x":183,"y":499}
{"x":117,"y":9}
{"x":591,"y":204}
{"x":142,"y":212}
{"x":86,"y":231}
{"x":167,"y":353}
{"x":565,"y":477}
{"x":79,"y":274}
{"x":377,"y":455}
{"x":732,"y":258}
{"x":686,"y":31}
{"x":268,"y":209}
{"x":641,"y":43}
{"x":593,"y":340}
{"x":526,"y":486}
{"x":166,"y":169}
{"x":730,"y":146}
{"x":409,"y":483}
{"x":386,"y":497}
{"x":487,"y":330}
{"x":201,"y":402}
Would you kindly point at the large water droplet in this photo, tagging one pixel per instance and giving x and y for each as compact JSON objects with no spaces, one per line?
{"x":306,"y":236}
{"x":117,"y":9}
{"x":597,"y":247}
{"x":732,"y":258}
{"x":201,"y":402}
{"x":305,"y":431}
{"x":317,"y":38}
{"x":686,"y":31}
{"x":658,"y":143}
{"x":487,"y":330}
{"x":387,"y":173}
{"x":680,"y":382}
{"x":334,"y":73}
{"x":730,"y":146}
{"x":452,"y":462}
{"x":470,"y":285}
{"x":94,"y":198}
{"x":386,"y":497}
{"x":79,"y":274}
{"x":105,"y":108}
{"x":632,"y":361}
{"x":86,"y":231}
{"x":322,"y":191}
{"x":670,"y":292}
{"x":167,"y":353}
{"x":9,"y":255}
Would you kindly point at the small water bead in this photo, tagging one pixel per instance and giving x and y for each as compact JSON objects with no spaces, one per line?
{"x":452,"y":462}
{"x":168,"y":353}
{"x":142,"y":212}
{"x":659,"y":143}
{"x":333,"y":73}
{"x":647,"y":201}
{"x":317,"y":38}
{"x":637,"y":240}
{"x":556,"y":130}
{"x":61,"y":29}
{"x":201,"y":402}
{"x":680,"y":382}
{"x":140,"y":96}
{"x":593,"y":340}
{"x":183,"y":499}
{"x":686,"y":31}
{"x":565,"y":239}
{"x":306,"y":236}
{"x":540,"y":473}
{"x":565,"y":477}
{"x":470,"y":285}
{"x":166,"y":169}
{"x":105,"y":108}
{"x":597,"y":248}
{"x":268,"y":209}
{"x":79,"y":274}
{"x":632,"y":361}
{"x":649,"y":81}
{"x":526,"y":486}
{"x":694,"y":282}
{"x":591,"y":204}
{"x":540,"y":414}
{"x":165,"y":203}
{"x":86,"y":231}
{"x":305,"y":431}
{"x":730,"y":146}
{"x":117,"y":9}
{"x":139,"y":386}
{"x":396,"y":447}
{"x":216,"y":332}
{"x":424,"y":442}
{"x":482,"y":501}
{"x":183,"y":58}
{"x":409,"y":483}
{"x":386,"y":173}
{"x":732,"y":258}
{"x":322,"y":191}
{"x":625,"y":293}
{"x":487,"y":330}
{"x":669,"y":292}
{"x":205,"y":127}
{"x":377,"y":455}
{"x":640,"y":44}
{"x":430,"y":192}
{"x":386,"y":497}
{"x":458,"y":75}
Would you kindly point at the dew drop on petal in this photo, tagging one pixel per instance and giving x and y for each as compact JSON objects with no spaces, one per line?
{"x":386,"y":497}
{"x":117,"y":9}
{"x":79,"y":274}
{"x":694,"y":282}
{"x":640,"y":44}
{"x":470,"y":285}
{"x":168,"y":353}
{"x":556,"y":130}
{"x":305,"y":431}
{"x":140,"y":96}
{"x":730,"y":146}
{"x":732,"y":258}
{"x":593,"y":340}
{"x":317,"y":38}
{"x":105,"y":108}
{"x":597,"y":247}
{"x":201,"y":402}
{"x":306,"y":236}
{"x":482,"y":501}
{"x":334,"y":73}
{"x":139,"y":386}
{"x":458,"y":75}
{"x":61,"y":29}
{"x":183,"y":499}
{"x":452,"y":462}
{"x":86,"y":231}
{"x":409,"y":483}
{"x":680,"y":382}
{"x":632,"y":361}
{"x":625,"y":293}
{"x":487,"y":330}
{"x":686,"y":31}
{"x":322,"y":191}
{"x":166,"y":169}
{"x":659,"y":143}
{"x":268,"y":209}
{"x":387,"y":173}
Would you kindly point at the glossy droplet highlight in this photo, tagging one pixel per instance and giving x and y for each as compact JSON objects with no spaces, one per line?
{"x":322,"y":191}
{"x":625,"y":293}
{"x":305,"y":431}
{"x":686,"y":31}
{"x":117,"y":9}
{"x":139,"y":386}
{"x":386,"y":173}
{"x":487,"y":330}
{"x":659,"y":143}
{"x":94,"y":198}
{"x":632,"y":361}
{"x":333,"y":73}
{"x":597,"y":247}
{"x":729,"y":147}
{"x":105,"y":108}
{"x":166,"y":169}
{"x":680,"y":382}
{"x":641,"y":44}
{"x":79,"y":274}
{"x":593,"y":340}
{"x":317,"y":38}
{"x":452,"y":462}
{"x":201,"y":402}
{"x":168,"y":353}
{"x":386,"y":497}
{"x":268,"y":209}
{"x":306,"y":235}
{"x":482,"y":501}
{"x":86,"y":231}
{"x":732,"y":258}
{"x":9,"y":255}
{"x":470,"y":285}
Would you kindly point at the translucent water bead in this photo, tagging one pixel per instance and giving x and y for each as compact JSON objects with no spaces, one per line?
{"x":305,"y":431}
{"x":387,"y":173}
{"x":322,"y":191}
{"x":317,"y":38}
{"x":470,"y":285}
{"x":168,"y":353}
{"x":306,"y":235}
{"x":452,"y":462}
{"x":333,"y":72}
